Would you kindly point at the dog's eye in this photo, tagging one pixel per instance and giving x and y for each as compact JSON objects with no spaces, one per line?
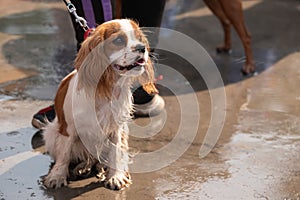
{"x":119,"y":41}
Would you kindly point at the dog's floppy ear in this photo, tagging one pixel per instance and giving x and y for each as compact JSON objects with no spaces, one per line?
{"x":147,"y":78}
{"x":92,"y":65}
{"x":96,"y":38}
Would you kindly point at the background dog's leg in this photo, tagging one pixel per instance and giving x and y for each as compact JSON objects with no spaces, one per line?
{"x":216,"y":8}
{"x":234,"y":12}
{"x":118,"y":176}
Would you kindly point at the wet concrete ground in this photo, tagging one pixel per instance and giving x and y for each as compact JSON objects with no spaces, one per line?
{"x":257,"y":155}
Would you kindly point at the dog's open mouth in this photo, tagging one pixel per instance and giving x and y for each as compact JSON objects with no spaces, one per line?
{"x":137,"y":63}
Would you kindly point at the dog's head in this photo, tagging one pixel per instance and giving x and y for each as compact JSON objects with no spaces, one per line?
{"x":117,"y":48}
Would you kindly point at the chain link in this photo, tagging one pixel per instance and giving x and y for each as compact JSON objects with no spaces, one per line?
{"x":82,"y":22}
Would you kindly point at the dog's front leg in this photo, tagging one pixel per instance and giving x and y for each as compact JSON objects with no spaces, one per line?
{"x":118,"y":176}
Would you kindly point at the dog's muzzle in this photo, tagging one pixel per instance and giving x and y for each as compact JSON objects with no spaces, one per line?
{"x":139,"y":62}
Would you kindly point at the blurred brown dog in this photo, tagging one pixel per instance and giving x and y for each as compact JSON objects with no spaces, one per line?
{"x":231,"y":13}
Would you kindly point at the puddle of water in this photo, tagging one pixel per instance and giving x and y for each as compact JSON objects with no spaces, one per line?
{"x":265,"y":149}
{"x":39,"y":49}
{"x":35,"y":22}
{"x":18,"y":174}
{"x":5,"y":97}
{"x":259,"y":162}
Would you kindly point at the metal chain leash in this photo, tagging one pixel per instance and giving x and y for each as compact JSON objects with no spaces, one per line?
{"x":72,"y":9}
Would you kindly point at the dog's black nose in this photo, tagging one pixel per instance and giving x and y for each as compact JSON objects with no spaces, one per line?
{"x":140,"y":48}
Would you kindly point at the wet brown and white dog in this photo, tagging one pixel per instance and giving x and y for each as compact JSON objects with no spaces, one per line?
{"x":110,"y":60}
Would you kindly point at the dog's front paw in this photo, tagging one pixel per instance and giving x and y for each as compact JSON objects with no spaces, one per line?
{"x":82,"y":170}
{"x":118,"y":181}
{"x":55,"y":181}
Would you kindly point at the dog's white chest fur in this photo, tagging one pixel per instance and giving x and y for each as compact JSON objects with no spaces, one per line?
{"x":94,"y":119}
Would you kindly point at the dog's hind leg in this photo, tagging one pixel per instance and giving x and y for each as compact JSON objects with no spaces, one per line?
{"x":59,"y":148}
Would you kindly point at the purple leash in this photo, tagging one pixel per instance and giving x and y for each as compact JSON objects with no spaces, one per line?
{"x":107,"y":10}
{"x":89,"y":11}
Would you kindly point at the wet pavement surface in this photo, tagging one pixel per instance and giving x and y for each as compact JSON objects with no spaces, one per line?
{"x":257,"y":155}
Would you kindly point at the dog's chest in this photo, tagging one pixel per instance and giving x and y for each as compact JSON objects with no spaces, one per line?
{"x":100,"y":114}
{"x":115,"y":112}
